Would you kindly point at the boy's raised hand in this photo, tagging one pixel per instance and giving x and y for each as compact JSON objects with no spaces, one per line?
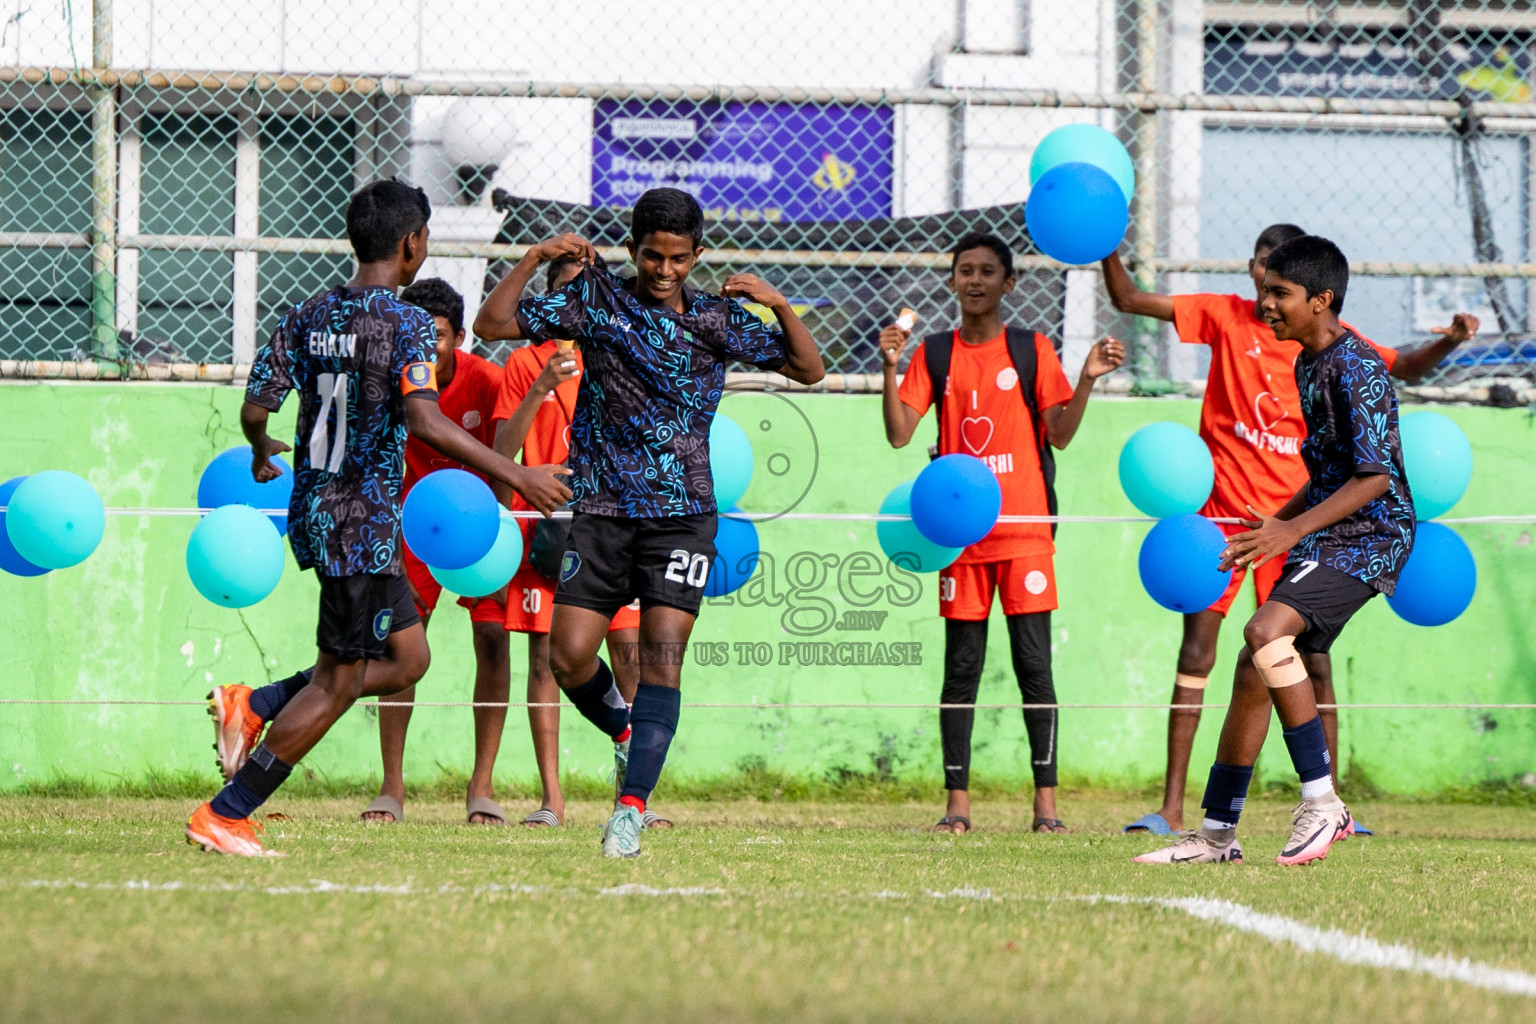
{"x":563,"y":247}
{"x":1105,"y":357}
{"x":1462,"y":328}
{"x":892,"y":341}
{"x":560,"y":368}
{"x":753,"y":289}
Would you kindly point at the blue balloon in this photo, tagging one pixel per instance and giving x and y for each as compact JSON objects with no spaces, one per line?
{"x":55,"y":519}
{"x":228,"y":481}
{"x":492,"y":572}
{"x":730,"y":460}
{"x":736,"y":556}
{"x":1178,"y":563}
{"x":1085,"y":144}
{"x":1166,"y":470}
{"x":235,"y":556}
{"x":1076,"y":214}
{"x":10,"y":560}
{"x":1438,"y":458}
{"x":450,"y":519}
{"x":903,"y":543}
{"x":956,"y":500}
{"x":1439,"y":580}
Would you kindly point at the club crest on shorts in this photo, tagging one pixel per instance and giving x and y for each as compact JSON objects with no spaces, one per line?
{"x":381,"y":623}
{"x":570,"y":565}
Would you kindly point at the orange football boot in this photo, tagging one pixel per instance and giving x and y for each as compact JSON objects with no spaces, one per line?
{"x":234,"y":836}
{"x":235,"y":726}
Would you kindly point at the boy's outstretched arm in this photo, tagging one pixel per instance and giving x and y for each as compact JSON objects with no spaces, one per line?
{"x":540,"y":485}
{"x":1127,"y":298}
{"x":253,"y":424}
{"x":1061,"y":421}
{"x":900,"y":418}
{"x":1271,"y":537}
{"x":1416,"y":362}
{"x":497,"y":318}
{"x":804,"y":363}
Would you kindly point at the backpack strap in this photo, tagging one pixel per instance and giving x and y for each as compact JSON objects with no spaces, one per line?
{"x":937,"y":349}
{"x":1021,"y":349}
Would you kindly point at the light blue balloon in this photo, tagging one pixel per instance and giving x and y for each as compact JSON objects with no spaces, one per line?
{"x":1076,"y":214}
{"x":235,"y":556}
{"x":956,"y":500}
{"x":1085,"y":144}
{"x":736,"y":556}
{"x":1166,"y":470}
{"x":1438,"y":458}
{"x":1178,"y":561}
{"x":492,"y":572}
{"x":55,"y":519}
{"x":730,"y":460}
{"x":1439,"y":580}
{"x":903,"y":543}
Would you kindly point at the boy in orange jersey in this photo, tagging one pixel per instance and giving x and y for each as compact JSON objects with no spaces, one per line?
{"x":1251,"y":421}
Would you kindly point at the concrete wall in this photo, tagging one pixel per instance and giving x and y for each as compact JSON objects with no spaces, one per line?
{"x":127,"y":623}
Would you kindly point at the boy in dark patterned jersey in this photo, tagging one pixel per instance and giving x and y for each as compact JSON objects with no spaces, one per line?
{"x":361,"y":362}
{"x":655,"y":354}
{"x":1349,"y":531}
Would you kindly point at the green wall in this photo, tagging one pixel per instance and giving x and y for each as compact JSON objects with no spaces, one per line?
{"x":128,"y":624}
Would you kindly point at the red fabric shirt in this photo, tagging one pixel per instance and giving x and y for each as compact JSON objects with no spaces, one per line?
{"x":469,"y":400}
{"x":549,"y":436}
{"x":1251,"y":417}
{"x":984,"y":416}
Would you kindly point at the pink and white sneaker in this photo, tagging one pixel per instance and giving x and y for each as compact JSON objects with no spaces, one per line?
{"x":1317,"y":825}
{"x":1194,"y":848}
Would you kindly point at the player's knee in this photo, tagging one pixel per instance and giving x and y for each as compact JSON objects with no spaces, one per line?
{"x":1197,"y":658}
{"x":491,"y":644}
{"x":1258,"y":633}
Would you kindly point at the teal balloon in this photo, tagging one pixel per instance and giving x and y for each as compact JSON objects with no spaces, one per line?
{"x":55,"y":519}
{"x":730,"y":460}
{"x":492,"y":572}
{"x":1085,"y":144}
{"x":235,"y":556}
{"x":1438,"y":458}
{"x":903,"y":543}
{"x":1166,"y":470}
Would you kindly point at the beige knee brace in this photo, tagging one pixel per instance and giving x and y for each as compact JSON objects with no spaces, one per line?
{"x":1279,"y":664}
{"x":1191,"y":682}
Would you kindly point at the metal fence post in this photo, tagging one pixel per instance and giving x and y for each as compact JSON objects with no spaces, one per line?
{"x":1148,"y":360}
{"x":103,"y":187}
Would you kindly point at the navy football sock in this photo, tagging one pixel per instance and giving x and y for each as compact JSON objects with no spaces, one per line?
{"x":267,"y":701}
{"x":1226,"y":791}
{"x":252,"y":785}
{"x":599,"y":702}
{"x":654,"y":721}
{"x":1309,"y":753}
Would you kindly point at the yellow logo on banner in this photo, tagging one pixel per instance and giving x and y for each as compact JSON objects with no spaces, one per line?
{"x":833,"y":175}
{"x":1503,"y":82}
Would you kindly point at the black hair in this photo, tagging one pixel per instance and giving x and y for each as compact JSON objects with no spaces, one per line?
{"x":981,"y":240}
{"x":380,"y":214}
{"x":1274,"y":235}
{"x":555,"y":266}
{"x":667,"y":209}
{"x":1315,"y":264}
{"x":437,"y":297}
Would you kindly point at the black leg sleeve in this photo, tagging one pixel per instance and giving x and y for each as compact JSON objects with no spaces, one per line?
{"x":1029,"y":639}
{"x":965,"y":652}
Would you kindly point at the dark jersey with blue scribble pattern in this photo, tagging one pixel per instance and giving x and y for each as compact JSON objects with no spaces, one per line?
{"x":1351,"y":413}
{"x":651,"y":381}
{"x":345,"y":352}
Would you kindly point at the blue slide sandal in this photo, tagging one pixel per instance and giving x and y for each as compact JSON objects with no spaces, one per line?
{"x":1154,"y":824}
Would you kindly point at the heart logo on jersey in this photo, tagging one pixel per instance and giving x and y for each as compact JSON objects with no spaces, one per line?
{"x":973,"y":427}
{"x":1267,"y":410}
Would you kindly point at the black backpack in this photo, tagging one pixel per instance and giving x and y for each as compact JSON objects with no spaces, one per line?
{"x":1021,"y":349}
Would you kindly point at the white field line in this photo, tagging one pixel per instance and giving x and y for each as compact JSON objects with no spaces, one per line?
{"x":1342,"y":946}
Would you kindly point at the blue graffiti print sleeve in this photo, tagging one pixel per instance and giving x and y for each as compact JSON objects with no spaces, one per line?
{"x":1351,"y":414}
{"x":345,"y":352}
{"x":651,"y":382}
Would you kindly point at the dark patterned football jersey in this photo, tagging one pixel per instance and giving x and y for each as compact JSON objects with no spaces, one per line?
{"x":1351,"y":413}
{"x":352,"y":354}
{"x":651,"y":381}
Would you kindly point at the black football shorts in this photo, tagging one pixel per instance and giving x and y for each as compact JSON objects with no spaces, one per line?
{"x":1325,"y":598}
{"x":610,"y":561}
{"x":357,"y":614}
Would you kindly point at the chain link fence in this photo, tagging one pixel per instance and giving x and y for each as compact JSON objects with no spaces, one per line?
{"x":173,"y":173}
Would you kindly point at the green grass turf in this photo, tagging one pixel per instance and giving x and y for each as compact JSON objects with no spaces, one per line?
{"x":800,"y":911}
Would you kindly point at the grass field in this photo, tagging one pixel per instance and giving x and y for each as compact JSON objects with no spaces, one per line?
{"x":757,"y":911}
